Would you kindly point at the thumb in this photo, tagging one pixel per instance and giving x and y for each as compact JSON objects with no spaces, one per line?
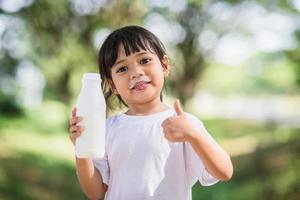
{"x":178,"y":108}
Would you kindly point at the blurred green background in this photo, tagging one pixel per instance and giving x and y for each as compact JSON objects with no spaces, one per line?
{"x":235,"y":64}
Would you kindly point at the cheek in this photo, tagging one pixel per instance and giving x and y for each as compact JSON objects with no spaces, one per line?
{"x":159,"y":77}
{"x":115,"y":82}
{"x":119,"y":82}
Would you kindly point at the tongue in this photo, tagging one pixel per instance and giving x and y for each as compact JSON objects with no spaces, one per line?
{"x":140,"y":85}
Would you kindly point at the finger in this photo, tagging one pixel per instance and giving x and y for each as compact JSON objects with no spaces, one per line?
{"x":165,"y":122}
{"x":77,"y":134}
{"x":178,"y":108}
{"x":78,"y":120}
{"x":75,"y":120}
{"x":72,"y":121}
{"x":74,"y":136}
{"x":81,"y":129}
{"x":74,"y":110}
{"x":76,"y":129}
{"x":72,"y":129}
{"x":168,"y":136}
{"x":166,"y":130}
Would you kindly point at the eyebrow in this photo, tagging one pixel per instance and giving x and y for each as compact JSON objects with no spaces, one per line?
{"x":120,"y":61}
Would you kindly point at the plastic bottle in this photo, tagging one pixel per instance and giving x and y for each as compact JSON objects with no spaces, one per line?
{"x":91,"y":106}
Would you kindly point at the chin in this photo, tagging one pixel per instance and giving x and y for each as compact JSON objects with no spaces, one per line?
{"x":143,"y":99}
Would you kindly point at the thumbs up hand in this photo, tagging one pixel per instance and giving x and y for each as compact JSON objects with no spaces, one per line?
{"x":177,"y":107}
{"x":178,"y":128}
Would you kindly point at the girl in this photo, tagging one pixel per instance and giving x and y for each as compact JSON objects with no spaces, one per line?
{"x":153,"y":152}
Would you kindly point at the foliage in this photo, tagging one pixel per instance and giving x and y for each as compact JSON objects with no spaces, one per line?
{"x":37,"y":160}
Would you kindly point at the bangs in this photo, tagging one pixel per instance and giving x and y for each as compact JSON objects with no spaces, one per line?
{"x":133,"y":39}
{"x":131,"y":44}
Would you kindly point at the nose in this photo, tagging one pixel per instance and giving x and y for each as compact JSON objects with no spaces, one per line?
{"x":136,"y":71}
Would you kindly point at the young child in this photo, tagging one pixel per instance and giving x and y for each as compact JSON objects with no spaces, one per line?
{"x":153,"y":152}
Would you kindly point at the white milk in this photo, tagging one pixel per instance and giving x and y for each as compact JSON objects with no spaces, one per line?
{"x":91,"y":106}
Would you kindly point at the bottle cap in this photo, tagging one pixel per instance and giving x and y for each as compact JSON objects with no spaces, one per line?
{"x":91,"y":76}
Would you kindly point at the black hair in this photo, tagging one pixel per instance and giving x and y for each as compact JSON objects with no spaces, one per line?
{"x":134,"y":39}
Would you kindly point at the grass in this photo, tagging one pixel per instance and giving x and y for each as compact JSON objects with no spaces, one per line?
{"x":270,"y":173}
{"x":37,"y":162}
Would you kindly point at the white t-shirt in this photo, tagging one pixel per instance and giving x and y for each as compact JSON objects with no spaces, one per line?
{"x":140,"y":163}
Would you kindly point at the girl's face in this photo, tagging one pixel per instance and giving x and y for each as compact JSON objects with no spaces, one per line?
{"x":139,"y":77}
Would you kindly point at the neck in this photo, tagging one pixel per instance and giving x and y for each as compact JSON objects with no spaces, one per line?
{"x":147,"y":108}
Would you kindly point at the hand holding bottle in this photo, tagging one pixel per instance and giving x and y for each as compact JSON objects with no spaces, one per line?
{"x":91,"y":107}
{"x":75,"y":129}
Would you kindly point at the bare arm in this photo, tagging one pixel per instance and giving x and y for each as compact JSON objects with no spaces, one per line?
{"x":215,"y":159}
{"x":89,"y":177}
{"x":180,"y":129}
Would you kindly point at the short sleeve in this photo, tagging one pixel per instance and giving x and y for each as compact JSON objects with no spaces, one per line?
{"x":101,"y":164}
{"x":195,"y":168}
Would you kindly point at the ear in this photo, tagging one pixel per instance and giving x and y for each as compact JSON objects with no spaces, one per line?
{"x":112,"y":86}
{"x":166,"y":65}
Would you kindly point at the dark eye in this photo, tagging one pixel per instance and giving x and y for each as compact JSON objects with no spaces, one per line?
{"x":122,"y":69}
{"x":145,"y":60}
